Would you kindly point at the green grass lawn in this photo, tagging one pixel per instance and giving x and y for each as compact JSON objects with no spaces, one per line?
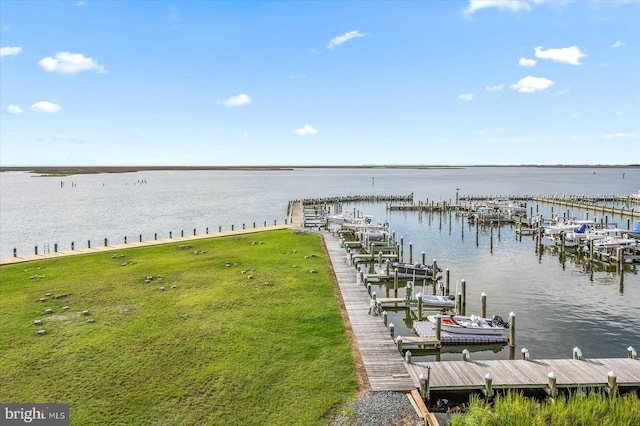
{"x":219,"y":348}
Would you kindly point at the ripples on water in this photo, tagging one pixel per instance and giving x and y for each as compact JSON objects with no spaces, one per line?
{"x":559,"y":304}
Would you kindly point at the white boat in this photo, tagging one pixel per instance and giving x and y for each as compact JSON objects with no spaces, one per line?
{"x":507,"y":206}
{"x":614,"y":242}
{"x":473,"y":324}
{"x":579,"y":226}
{"x":347,"y":217}
{"x":486,"y":213}
{"x":435,"y":301}
{"x":416,"y":269}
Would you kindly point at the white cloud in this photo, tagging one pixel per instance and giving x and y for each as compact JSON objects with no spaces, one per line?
{"x":495,"y":88}
{"x":65,"y":138}
{"x":619,"y":135}
{"x":45,"y":106}
{"x":570,"y":55}
{"x":524,"y":62}
{"x":618,"y":43}
{"x":70,"y":63}
{"x":344,"y":38}
{"x":618,"y":112}
{"x":9,"y":51}
{"x":14,"y":110}
{"x":467,"y":97}
{"x":244,"y":134}
{"x":513,"y":5}
{"x":236,"y":101}
{"x":530,"y":84}
{"x":306,"y":130}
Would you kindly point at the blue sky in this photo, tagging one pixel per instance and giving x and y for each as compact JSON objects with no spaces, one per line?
{"x":319,"y":83}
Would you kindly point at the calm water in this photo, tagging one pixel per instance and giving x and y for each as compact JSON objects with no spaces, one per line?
{"x":560,"y":303}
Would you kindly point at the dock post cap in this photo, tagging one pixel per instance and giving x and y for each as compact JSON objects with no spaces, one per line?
{"x":438,"y":315}
{"x":552,"y":375}
{"x":483,"y":294}
{"x":488,"y":376}
{"x":577,"y":353}
{"x":631,"y":352}
{"x":612,"y":374}
{"x":512,"y":314}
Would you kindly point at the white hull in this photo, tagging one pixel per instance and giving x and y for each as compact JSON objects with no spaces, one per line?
{"x":470,"y":325}
{"x":438,"y":301}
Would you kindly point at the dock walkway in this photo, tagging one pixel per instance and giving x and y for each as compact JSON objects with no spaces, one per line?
{"x":382,"y":361}
{"x":532,"y":374}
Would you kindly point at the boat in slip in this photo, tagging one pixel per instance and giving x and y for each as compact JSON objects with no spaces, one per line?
{"x":473,"y":324}
{"x":435,"y":301}
{"x":411,"y":270}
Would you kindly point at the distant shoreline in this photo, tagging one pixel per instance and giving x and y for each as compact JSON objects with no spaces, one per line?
{"x":76,"y":170}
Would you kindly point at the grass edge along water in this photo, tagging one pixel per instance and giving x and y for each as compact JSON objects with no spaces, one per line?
{"x":240,"y":329}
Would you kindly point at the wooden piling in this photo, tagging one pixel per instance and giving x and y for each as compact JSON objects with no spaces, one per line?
{"x":577,"y":353}
{"x":483,"y":310}
{"x":552,"y":390}
{"x":512,"y":329}
{"x":463,"y":300}
{"x":434,"y":270}
{"x":447,"y":282}
{"x":612,"y":381}
{"x":488,"y":390}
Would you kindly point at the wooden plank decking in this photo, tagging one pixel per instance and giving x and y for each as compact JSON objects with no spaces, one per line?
{"x":521,"y":374}
{"x":383,"y":362}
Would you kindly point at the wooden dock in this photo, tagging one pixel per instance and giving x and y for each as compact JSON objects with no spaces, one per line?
{"x":532,"y":374}
{"x":382,"y":361}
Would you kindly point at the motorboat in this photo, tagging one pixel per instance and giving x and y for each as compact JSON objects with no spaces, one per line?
{"x":580,"y":226}
{"x":507,"y":206}
{"x":472,"y":324}
{"x":614,"y":242}
{"x":487,"y":213}
{"x":435,"y":301}
{"x":416,"y":269}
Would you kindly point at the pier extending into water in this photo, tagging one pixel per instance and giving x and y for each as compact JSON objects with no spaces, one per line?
{"x":385,"y":355}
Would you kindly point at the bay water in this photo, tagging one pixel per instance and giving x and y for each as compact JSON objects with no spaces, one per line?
{"x":561,"y":302}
